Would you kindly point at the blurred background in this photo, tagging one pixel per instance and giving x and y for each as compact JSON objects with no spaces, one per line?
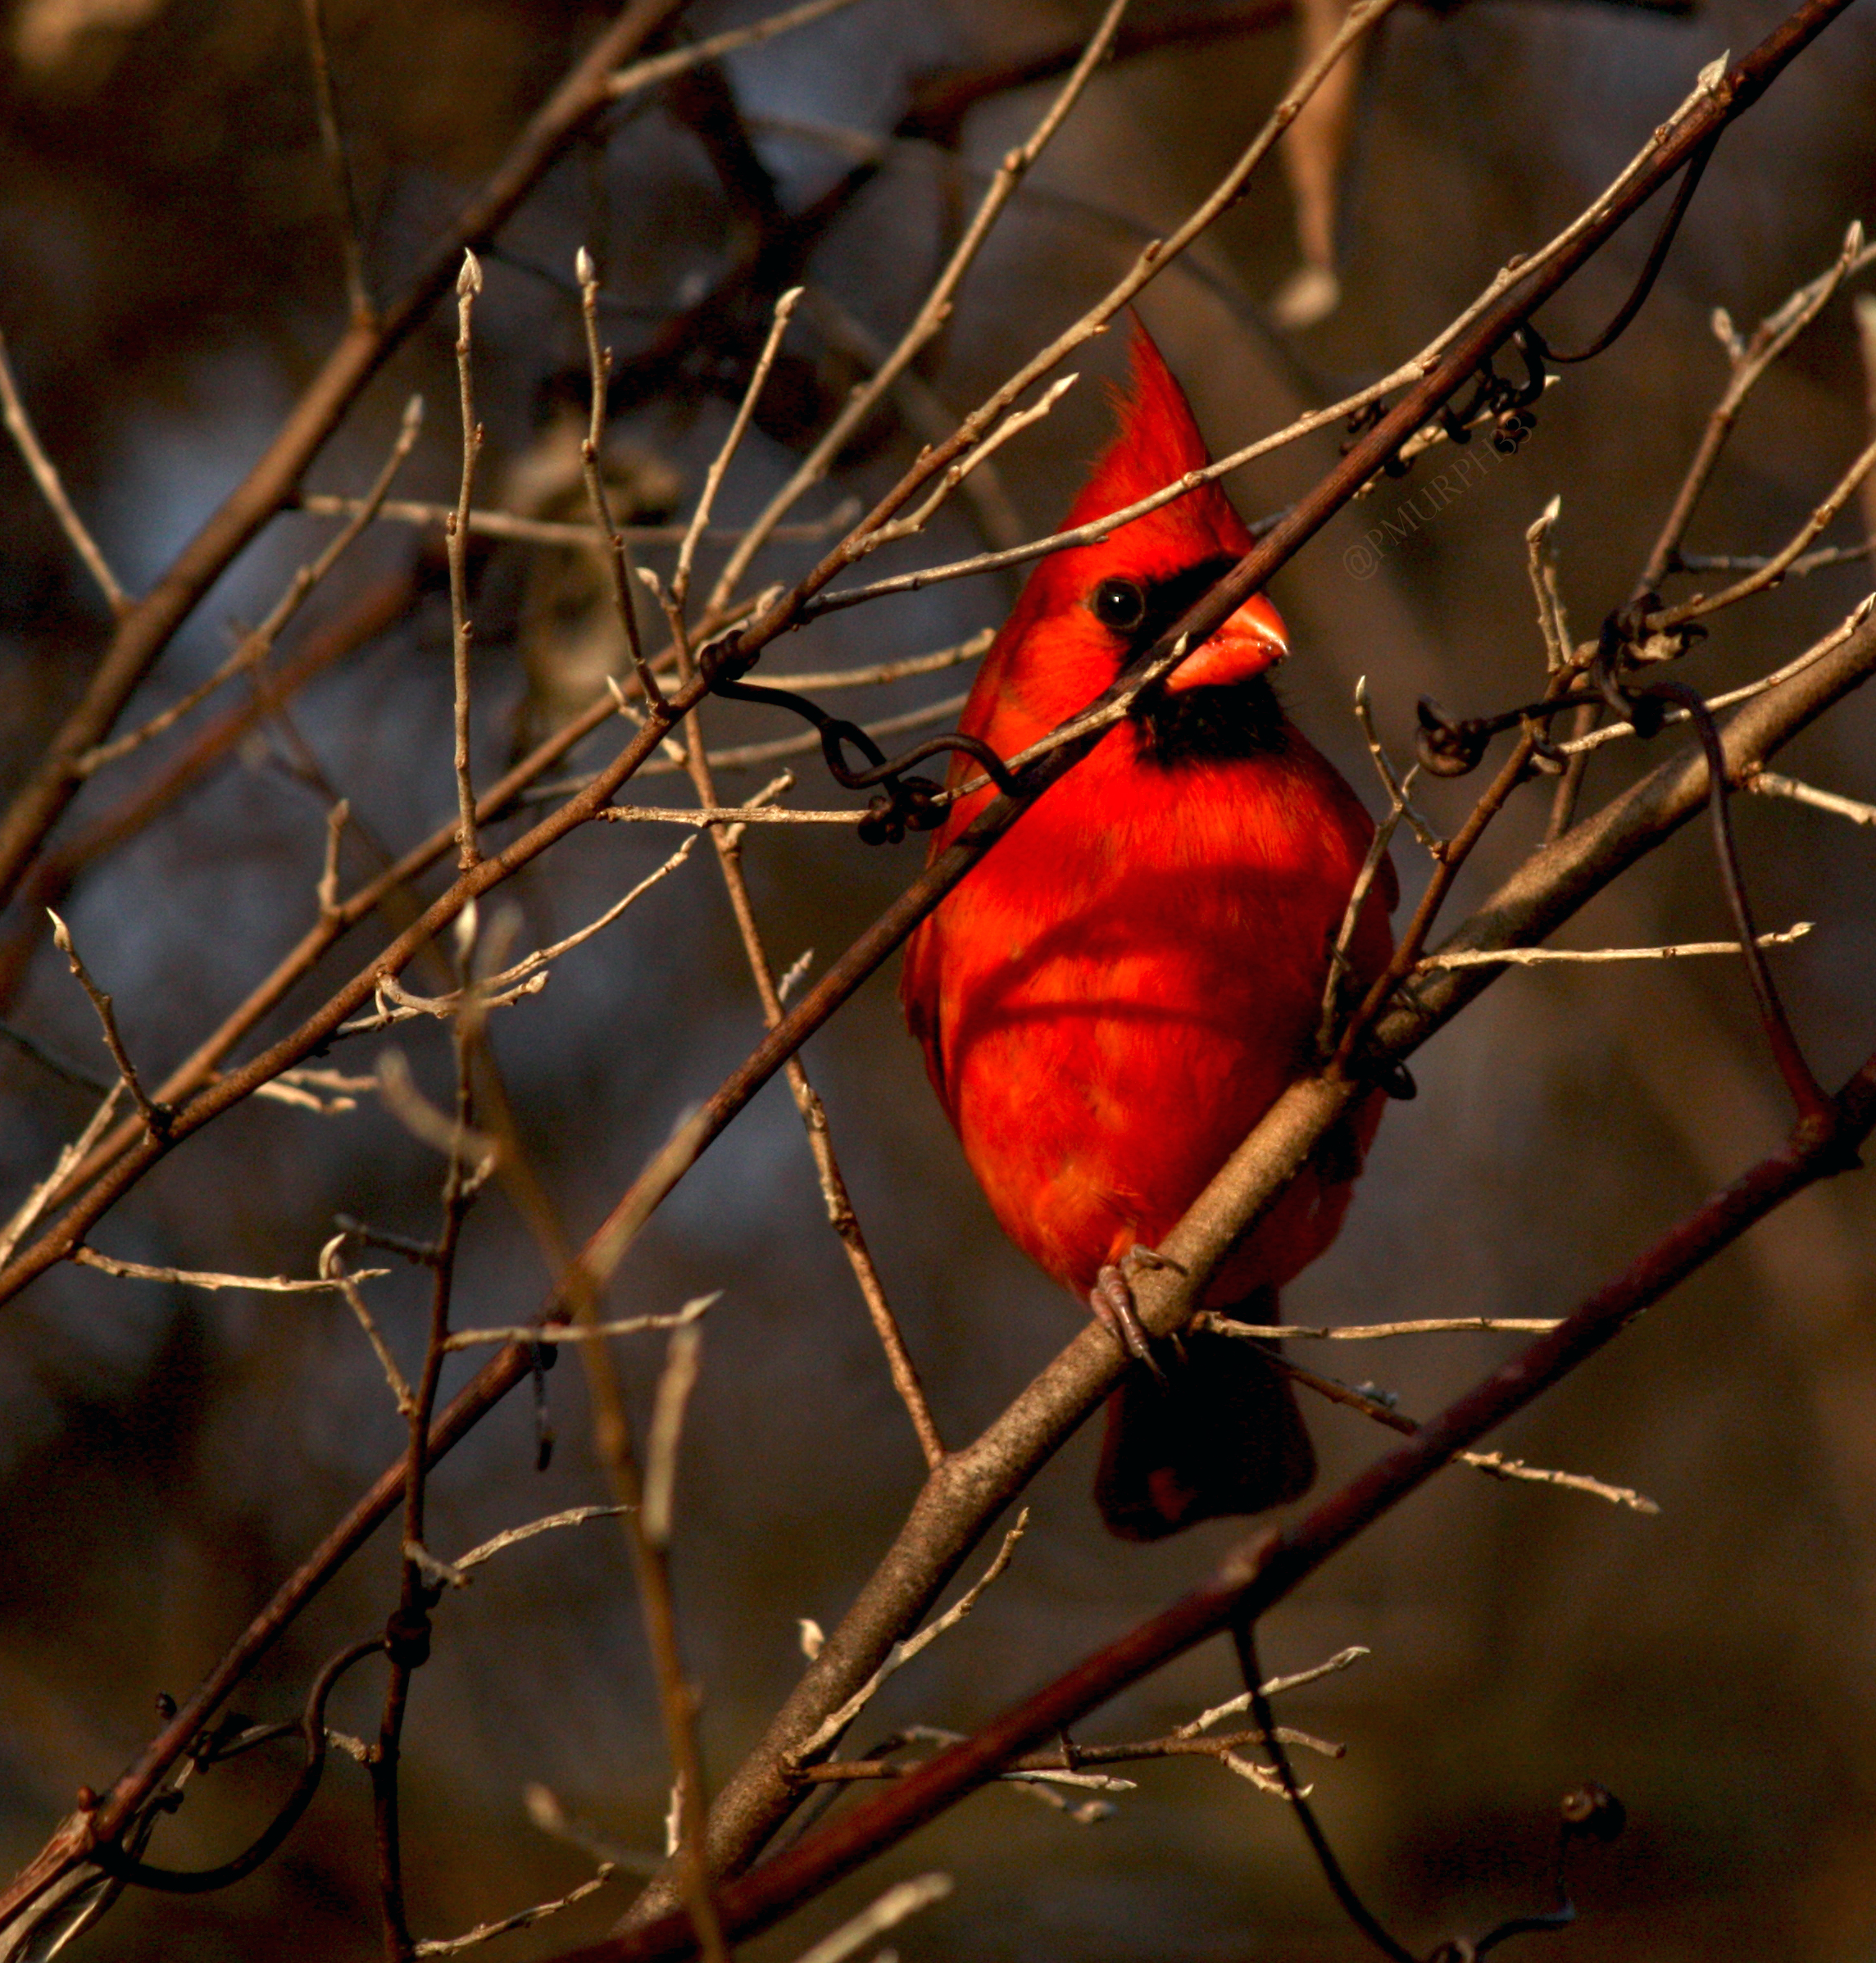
{"x":170,"y":278}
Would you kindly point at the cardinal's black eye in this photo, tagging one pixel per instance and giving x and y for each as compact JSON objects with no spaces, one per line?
{"x":1120,"y":604}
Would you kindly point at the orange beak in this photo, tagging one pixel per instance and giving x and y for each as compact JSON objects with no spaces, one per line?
{"x":1251,"y":641}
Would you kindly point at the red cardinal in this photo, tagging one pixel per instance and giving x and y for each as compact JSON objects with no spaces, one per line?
{"x":1121,"y":990}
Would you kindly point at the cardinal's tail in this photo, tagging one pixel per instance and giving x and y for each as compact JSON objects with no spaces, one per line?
{"x":1224,"y":1436}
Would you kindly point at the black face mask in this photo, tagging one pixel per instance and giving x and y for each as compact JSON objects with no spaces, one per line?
{"x":1222,"y":722}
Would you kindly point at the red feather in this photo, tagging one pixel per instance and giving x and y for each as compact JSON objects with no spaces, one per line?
{"x":1119,"y":991}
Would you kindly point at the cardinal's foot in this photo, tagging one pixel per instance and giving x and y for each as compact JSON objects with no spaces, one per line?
{"x":1111,"y":1298}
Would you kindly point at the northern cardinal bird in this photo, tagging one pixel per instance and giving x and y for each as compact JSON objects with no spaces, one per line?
{"x":1118,"y":993}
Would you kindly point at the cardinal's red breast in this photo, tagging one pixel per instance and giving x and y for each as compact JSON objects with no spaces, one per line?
{"x":1120,"y":990}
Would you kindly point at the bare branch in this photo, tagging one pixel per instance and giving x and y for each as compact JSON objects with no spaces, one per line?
{"x":574,"y":1516}
{"x":724,"y":814}
{"x":1371,"y":1332}
{"x":45,"y":475}
{"x":36,"y":1202}
{"x":196,"y":1278}
{"x":682,"y":1362}
{"x":1494,"y":1464}
{"x":560,"y":532}
{"x":339,"y":167}
{"x":441,"y":1946}
{"x":1341,"y":1660}
{"x":468,"y":285}
{"x":1770,"y":784}
{"x":156,"y":1120}
{"x":347,"y":1283}
{"x":902,"y":1653}
{"x":1534,"y":957}
{"x":902,"y":1899}
{"x":579,"y":1332}
{"x":1498,"y":1466}
{"x":1775,"y":334}
{"x":1542,"y":563}
{"x":1775,"y":569}
{"x":739,"y":423}
{"x":618,"y":558}
{"x":655,"y":69}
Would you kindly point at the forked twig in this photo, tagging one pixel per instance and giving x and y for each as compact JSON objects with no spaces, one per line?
{"x":156,"y":1117}
{"x":902,"y":1653}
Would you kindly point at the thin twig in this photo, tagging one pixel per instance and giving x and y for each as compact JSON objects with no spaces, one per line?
{"x":1769,"y":574}
{"x":447,"y":1945}
{"x":1492,"y":1463}
{"x":835,"y":1196}
{"x":1541,"y":561}
{"x":468,"y":285}
{"x":724,"y":814}
{"x":512,"y":1537}
{"x":902,"y":1899}
{"x":35,"y":1203}
{"x":1276,"y":1687}
{"x":617,"y":557}
{"x":1396,"y":785}
{"x":156,"y":1117}
{"x":1065,"y":1767}
{"x":560,"y":532}
{"x":198,"y":1278}
{"x":1824,"y":556}
{"x":407,"y":1633}
{"x":328,"y":1092}
{"x":1534,"y":957}
{"x":528,"y":976}
{"x":902,"y":1653}
{"x":1770,"y":784}
{"x":575,"y":1287}
{"x":51,"y":487}
{"x":347,"y":1283}
{"x":1775,"y":334}
{"x":339,"y":167}
{"x":682,"y":1362}
{"x":326,"y":892}
{"x":1371,"y":1332}
{"x":558,"y":1332}
{"x":655,"y":69}
{"x":739,"y":423}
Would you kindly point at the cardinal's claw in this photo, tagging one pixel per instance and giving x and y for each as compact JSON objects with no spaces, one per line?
{"x":1149,"y":1261}
{"x":1111,"y":1298}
